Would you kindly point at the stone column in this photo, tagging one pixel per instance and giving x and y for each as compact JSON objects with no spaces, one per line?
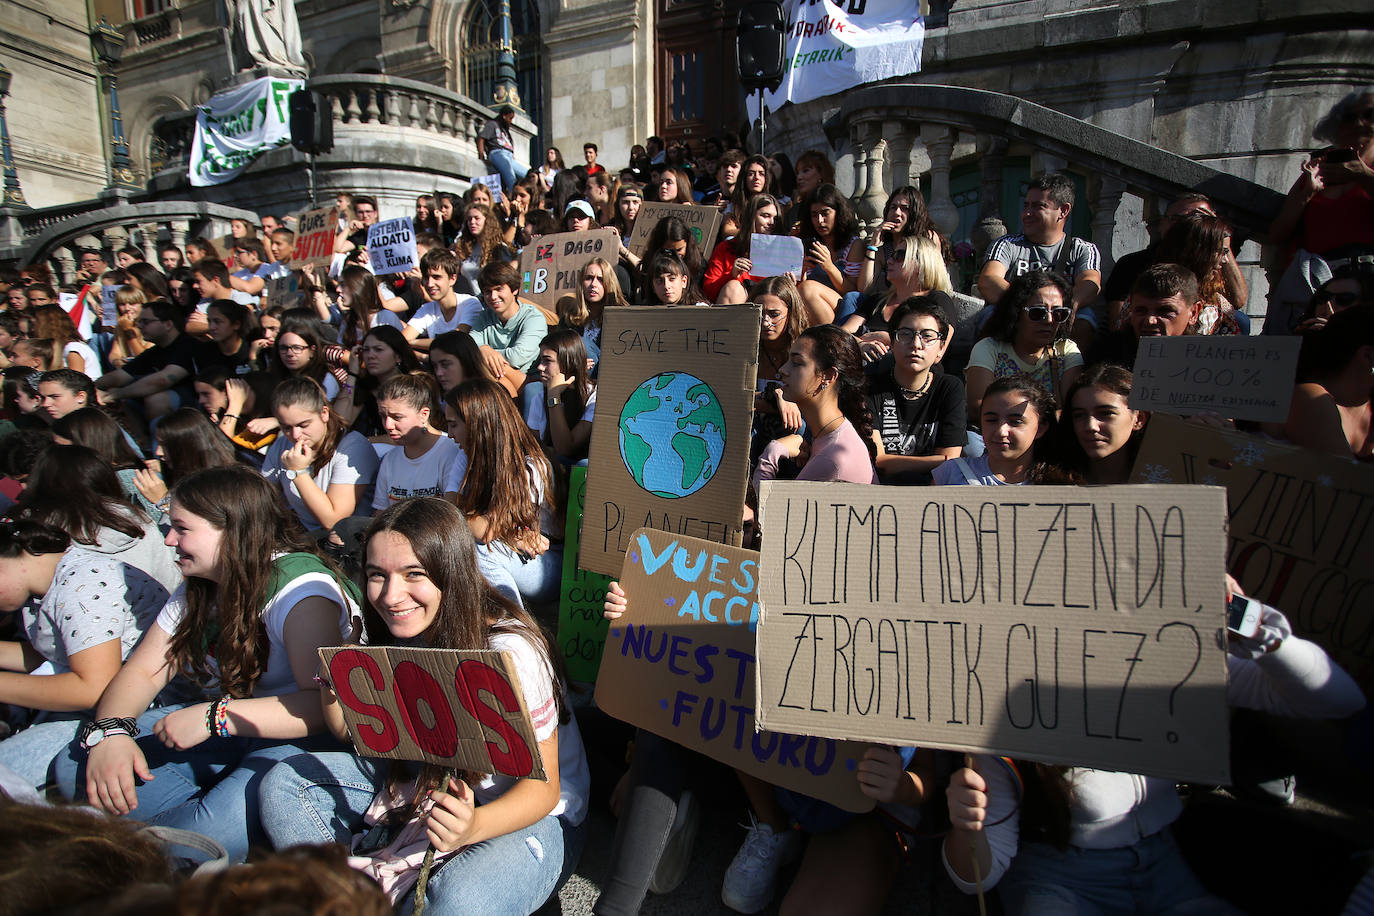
{"x":180,"y":228}
{"x":991,"y":226}
{"x":859,"y":148}
{"x":869,"y":206}
{"x":901,"y":138}
{"x":939,"y":143}
{"x":1104,"y":195}
{"x":1041,"y":161}
{"x":114,"y":238}
{"x":147,"y":233}
{"x":65,"y":259}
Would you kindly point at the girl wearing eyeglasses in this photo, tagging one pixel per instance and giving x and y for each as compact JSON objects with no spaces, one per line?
{"x":1027,"y":334}
{"x":918,"y":414}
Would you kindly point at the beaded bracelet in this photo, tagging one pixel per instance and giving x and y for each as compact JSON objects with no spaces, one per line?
{"x":217,"y":718}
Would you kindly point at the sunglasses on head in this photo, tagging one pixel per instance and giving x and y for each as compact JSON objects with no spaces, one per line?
{"x":1042,"y":313}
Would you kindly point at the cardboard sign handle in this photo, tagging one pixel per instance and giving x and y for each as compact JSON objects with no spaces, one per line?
{"x":423,"y":884}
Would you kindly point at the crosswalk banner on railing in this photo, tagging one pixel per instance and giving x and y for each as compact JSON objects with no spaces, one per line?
{"x":832,"y":46}
{"x":236,"y":126}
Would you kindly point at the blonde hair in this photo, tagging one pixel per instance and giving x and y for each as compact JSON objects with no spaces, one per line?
{"x":924,"y":256}
{"x":129,"y":295}
{"x":572,"y":309}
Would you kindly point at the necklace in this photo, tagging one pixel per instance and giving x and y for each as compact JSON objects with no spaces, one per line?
{"x":913,"y":394}
{"x":827,"y":427}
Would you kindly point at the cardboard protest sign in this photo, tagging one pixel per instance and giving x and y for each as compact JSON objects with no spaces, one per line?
{"x":680,"y":663}
{"x":1246,"y":378}
{"x":775,"y":255}
{"x":704,"y":223}
{"x":315,"y":233}
{"x":1301,"y":526}
{"x":492,"y":184}
{"x":1060,"y":624}
{"x":391,"y":246}
{"x":549,"y":265}
{"x":453,"y":708}
{"x":670,"y":446}
{"x":581,"y":624}
{"x":283,"y":290}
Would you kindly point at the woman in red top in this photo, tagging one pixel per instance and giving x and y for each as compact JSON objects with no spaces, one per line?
{"x":727,"y":273}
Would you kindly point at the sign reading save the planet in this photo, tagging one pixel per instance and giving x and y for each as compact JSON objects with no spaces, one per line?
{"x":681,"y":390}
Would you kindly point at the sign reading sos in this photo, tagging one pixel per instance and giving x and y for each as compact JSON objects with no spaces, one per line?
{"x":461,"y":709}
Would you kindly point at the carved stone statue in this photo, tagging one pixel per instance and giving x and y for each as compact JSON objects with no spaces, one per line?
{"x":266,"y":34}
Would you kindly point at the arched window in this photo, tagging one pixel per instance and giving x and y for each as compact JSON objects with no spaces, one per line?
{"x":481,"y":45}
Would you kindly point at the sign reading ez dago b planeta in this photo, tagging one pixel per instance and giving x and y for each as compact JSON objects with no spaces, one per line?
{"x":670,"y":448}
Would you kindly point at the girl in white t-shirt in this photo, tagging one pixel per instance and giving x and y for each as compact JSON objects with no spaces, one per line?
{"x":256,"y":605}
{"x":503,"y":844}
{"x":325,"y":473}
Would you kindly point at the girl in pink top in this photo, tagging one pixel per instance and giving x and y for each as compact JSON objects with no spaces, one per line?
{"x":824,"y":377}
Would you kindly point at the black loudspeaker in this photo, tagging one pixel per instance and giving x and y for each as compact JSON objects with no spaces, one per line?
{"x":312,"y":122}
{"x":759,"y":40}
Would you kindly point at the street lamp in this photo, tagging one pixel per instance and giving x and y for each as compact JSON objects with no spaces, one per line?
{"x":505,"y":92}
{"x":14,"y":195}
{"x":109,"y":48}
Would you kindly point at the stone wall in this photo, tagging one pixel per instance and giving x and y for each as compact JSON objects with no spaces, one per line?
{"x":53,"y":110}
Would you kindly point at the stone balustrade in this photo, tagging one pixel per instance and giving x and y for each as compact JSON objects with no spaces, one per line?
{"x":55,"y":234}
{"x":889,"y":128}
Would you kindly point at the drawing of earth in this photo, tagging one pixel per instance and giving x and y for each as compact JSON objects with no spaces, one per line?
{"x":672,"y":434}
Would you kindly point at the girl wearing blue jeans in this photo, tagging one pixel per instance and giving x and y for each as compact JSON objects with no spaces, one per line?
{"x":503,"y":844}
{"x":256,"y":606}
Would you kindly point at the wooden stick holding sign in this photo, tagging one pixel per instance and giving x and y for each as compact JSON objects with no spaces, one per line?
{"x":1065,"y":625}
{"x":455,"y":708}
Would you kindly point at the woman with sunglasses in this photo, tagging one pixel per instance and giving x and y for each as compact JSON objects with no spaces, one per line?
{"x":1349,"y":286}
{"x":1027,"y":334}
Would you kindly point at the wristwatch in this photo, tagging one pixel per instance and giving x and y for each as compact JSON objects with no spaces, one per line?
{"x":552,"y":402}
{"x":92,"y":733}
{"x":292,"y":473}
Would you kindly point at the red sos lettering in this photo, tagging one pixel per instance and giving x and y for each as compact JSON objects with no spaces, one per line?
{"x":472,"y":677}
{"x":383,"y":739}
{"x":414,"y":685}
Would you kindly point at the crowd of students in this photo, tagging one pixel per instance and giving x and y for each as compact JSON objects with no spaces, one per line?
{"x":205,"y":487}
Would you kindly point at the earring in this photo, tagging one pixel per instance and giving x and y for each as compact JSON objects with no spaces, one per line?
{"x":825,"y":385}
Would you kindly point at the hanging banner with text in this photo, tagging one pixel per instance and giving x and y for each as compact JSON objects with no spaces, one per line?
{"x":680,"y":663}
{"x":391,"y":247}
{"x":680,"y":387}
{"x":1244,"y":378}
{"x":1301,"y":526}
{"x":581,"y":623}
{"x":316,"y":231}
{"x":550,"y":264}
{"x":238,"y":125}
{"x":1060,"y":624}
{"x":702,"y":221}
{"x":834,"y":46}
{"x":451,"y":707}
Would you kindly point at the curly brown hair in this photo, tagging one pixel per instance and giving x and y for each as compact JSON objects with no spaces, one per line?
{"x":491,"y":239}
{"x":256,"y":527}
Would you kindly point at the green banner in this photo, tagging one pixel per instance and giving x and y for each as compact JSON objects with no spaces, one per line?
{"x":581,"y":627}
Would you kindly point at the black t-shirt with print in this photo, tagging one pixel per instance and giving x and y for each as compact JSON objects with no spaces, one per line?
{"x":920,"y":427}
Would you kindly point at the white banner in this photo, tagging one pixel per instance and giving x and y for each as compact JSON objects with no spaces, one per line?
{"x":831,"y":47}
{"x":238,"y":125}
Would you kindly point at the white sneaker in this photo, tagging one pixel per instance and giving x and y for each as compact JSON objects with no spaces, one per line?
{"x":677,"y":852}
{"x":752,"y":877}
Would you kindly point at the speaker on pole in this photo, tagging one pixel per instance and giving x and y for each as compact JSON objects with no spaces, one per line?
{"x":759,"y":43}
{"x":312,"y":123}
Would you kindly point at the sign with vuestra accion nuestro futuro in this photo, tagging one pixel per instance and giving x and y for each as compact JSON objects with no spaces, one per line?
{"x":680,"y":663}
{"x":675,"y":407}
{"x":1068,"y":625}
